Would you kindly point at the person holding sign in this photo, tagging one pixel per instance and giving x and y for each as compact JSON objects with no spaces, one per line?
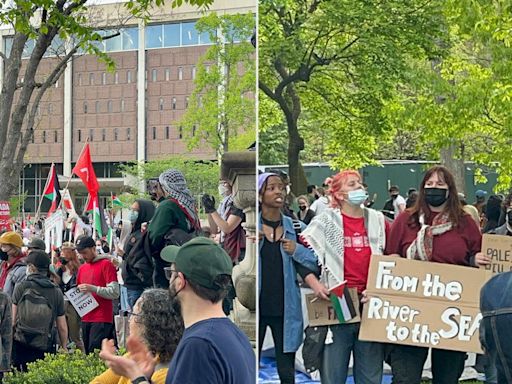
{"x":343,"y":239}
{"x":97,"y":276}
{"x":281,"y":257}
{"x":435,"y":229}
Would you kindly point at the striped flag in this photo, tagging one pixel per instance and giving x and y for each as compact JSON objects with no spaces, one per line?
{"x":52,"y":189}
{"x":99,"y":222}
{"x":116,"y":201}
{"x":342,"y":303}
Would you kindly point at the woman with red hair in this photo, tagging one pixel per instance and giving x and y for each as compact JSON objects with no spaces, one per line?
{"x":343,"y":238}
{"x":435,"y":229}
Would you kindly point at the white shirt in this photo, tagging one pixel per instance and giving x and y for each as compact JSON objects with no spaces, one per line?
{"x":396,"y":204}
{"x":319,"y":205}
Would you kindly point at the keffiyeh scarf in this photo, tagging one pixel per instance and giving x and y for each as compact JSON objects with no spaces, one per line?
{"x":421,"y":247}
{"x":175,"y":186}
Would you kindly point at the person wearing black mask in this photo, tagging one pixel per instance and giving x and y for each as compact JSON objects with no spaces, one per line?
{"x":141,"y":212}
{"x":304,"y":213}
{"x":67,"y":271}
{"x":435,"y":229}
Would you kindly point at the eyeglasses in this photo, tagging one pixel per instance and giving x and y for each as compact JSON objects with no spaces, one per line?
{"x":130,"y":314}
{"x":168,"y":272}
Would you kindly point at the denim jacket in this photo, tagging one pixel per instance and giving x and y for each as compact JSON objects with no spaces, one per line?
{"x":293,"y":324}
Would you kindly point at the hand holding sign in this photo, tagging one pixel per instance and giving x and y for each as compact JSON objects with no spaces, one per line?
{"x":481,"y":259}
{"x":82,"y":301}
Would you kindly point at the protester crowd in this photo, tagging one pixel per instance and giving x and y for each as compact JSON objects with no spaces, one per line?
{"x":160,"y":288}
{"x":328,"y":236}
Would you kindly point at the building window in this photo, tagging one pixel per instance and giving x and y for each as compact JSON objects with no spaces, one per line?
{"x":173,"y":103}
{"x":122,"y":105}
{"x":57,"y":84}
{"x":193,"y":72}
{"x":103,"y":78}
{"x":180,"y":73}
{"x":181,"y":133}
{"x":154,"y":38}
{"x":189,"y":34}
{"x":91,"y":78}
{"x":91,"y":135}
{"x":186,"y":102}
{"x":79,"y":135}
{"x":172,"y":35}
{"x":161,"y":103}
{"x":128,"y":134}
{"x":97,"y":107}
{"x":32,"y":138}
{"x":167,"y":74}
{"x":116,"y":134}
{"x":154,"y":133}
{"x":116,"y":78}
{"x":128,"y":77}
{"x":44,"y":136}
{"x":56,"y":136}
{"x":154,"y":74}
{"x":79,"y":79}
{"x":85,"y":107}
{"x":167,"y":132}
{"x":109,"y":106}
{"x":50,"y":109}
{"x":103,"y":134}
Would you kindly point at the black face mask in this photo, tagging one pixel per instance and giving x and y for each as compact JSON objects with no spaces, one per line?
{"x":302,"y":208}
{"x":3,"y":255}
{"x":435,"y":197}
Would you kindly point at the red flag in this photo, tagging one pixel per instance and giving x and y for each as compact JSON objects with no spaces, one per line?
{"x":84,"y":170}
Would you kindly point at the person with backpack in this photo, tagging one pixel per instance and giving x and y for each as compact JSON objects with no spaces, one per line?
{"x":97,"y":276}
{"x":37,"y":304}
{"x":137,"y":274}
{"x":176,"y":212}
{"x":12,"y":269}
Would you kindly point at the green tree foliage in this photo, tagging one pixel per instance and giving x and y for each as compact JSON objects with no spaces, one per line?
{"x":202,"y":177}
{"x":341,"y":62}
{"x":221,"y":110}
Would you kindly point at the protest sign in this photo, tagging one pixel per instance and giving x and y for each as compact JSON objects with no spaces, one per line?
{"x":322,"y":312}
{"x":53,"y":229}
{"x":83,"y":302}
{"x":5,"y":216}
{"x":499,"y":249}
{"x":423,"y":304}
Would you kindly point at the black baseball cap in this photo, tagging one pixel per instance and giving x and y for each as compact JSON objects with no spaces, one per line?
{"x":36,"y":243}
{"x":201,"y":260}
{"x":39,"y":259}
{"x":83,"y":242}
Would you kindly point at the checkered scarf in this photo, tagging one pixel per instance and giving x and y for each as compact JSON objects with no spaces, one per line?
{"x":175,"y":186}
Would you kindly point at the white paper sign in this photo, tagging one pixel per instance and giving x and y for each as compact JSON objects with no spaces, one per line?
{"x":83,"y":302}
{"x":53,"y":228}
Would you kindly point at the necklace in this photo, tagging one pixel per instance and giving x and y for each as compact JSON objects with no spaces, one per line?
{"x":272,"y":224}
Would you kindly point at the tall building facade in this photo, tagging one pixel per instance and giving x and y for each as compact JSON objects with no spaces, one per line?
{"x":130,"y":114}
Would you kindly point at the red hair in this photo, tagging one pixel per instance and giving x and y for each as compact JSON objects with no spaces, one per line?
{"x":336,"y":182}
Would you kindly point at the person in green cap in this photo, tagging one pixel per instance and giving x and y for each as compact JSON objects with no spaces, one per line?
{"x":213,"y":349}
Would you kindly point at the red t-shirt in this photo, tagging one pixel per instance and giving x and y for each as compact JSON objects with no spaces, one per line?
{"x":100,"y":273}
{"x":453,"y":247}
{"x":357,"y":251}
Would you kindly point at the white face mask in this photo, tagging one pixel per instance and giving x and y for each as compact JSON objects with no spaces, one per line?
{"x":223,"y":190}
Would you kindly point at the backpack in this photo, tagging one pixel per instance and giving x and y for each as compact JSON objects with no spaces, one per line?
{"x":35,"y":318}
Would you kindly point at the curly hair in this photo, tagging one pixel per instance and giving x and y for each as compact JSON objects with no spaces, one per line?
{"x":161,"y":324}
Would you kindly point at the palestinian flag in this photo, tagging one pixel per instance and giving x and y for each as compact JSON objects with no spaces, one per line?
{"x":342,"y":303}
{"x":99,"y":222}
{"x":116,"y":202}
{"x":52,"y":189}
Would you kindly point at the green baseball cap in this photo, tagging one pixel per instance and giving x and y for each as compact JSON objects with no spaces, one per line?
{"x":201,"y":260}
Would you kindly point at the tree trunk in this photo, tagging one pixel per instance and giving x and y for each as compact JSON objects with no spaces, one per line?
{"x":455,"y":165}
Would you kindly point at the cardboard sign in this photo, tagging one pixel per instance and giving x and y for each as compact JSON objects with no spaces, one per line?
{"x":321,"y":312}
{"x":83,"y":302}
{"x":5,"y":216}
{"x":423,"y":304}
{"x":499,"y":248}
{"x":53,"y":230}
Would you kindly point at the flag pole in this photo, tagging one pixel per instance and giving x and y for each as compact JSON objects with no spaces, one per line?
{"x":42,"y":196}
{"x":71,"y":176}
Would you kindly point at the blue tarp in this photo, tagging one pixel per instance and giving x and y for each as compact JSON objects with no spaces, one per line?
{"x":268,"y":374}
